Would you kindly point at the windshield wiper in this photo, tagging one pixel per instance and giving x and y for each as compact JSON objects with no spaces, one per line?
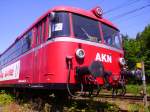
{"x":91,"y":38}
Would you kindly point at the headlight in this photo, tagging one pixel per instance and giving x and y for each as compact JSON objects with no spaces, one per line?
{"x":122,"y":61}
{"x":80,"y":53}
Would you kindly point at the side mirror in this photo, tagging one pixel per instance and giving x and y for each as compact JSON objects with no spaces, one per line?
{"x":121,"y":39}
{"x":52,"y":16}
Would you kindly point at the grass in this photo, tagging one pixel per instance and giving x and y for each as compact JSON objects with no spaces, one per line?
{"x":133,"y":89}
{"x":73,"y":106}
{"x":148,"y":89}
{"x":7,"y":102}
{"x":134,"y":107}
{"x":137,"y":89}
{"x":91,"y":106}
{"x":5,"y":98}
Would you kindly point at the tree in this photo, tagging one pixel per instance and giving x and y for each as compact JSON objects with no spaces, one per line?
{"x":132,"y":49}
{"x":138,"y":49}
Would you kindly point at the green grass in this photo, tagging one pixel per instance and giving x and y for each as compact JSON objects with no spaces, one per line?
{"x":133,"y":107}
{"x":133,"y":89}
{"x":148,"y":89}
{"x":5,"y":98}
{"x":8,"y":102}
{"x":136,"y":89}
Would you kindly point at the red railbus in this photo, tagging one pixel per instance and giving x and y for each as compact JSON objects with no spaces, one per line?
{"x":67,"y":48}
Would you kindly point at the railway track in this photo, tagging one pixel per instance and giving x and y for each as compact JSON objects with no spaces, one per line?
{"x":126,"y":97}
{"x":103,"y":97}
{"x":109,"y":95}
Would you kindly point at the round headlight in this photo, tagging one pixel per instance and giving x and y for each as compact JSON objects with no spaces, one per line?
{"x":80,"y":53}
{"x":122,"y":61}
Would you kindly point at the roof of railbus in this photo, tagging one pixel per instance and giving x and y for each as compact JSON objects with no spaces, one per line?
{"x":87,"y":13}
{"x":83,"y":12}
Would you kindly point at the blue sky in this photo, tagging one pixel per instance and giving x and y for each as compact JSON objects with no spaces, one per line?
{"x":17,"y":15}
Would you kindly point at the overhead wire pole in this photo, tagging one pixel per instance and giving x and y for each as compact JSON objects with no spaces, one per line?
{"x":143,"y":77}
{"x":130,"y":12}
{"x":144,"y":84}
{"x":142,"y":62}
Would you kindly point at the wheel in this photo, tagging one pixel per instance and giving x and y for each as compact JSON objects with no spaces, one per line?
{"x":123,"y":90}
{"x":114,"y":91}
{"x":94,"y":90}
{"x":119,"y":90}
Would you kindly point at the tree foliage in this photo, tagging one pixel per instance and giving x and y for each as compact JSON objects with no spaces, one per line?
{"x":137,"y":50}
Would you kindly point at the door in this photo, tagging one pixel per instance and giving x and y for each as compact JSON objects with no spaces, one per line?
{"x":37,"y":53}
{"x":40,"y":36}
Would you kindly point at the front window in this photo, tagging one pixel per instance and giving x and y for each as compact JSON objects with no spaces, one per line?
{"x":86,"y":28}
{"x":60,"y":25}
{"x":111,"y":36}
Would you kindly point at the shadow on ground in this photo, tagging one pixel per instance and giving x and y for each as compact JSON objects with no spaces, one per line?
{"x":68,"y":105}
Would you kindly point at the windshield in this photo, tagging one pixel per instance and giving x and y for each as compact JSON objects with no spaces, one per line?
{"x":111,"y":36}
{"x":86,"y":28}
{"x":60,"y":25}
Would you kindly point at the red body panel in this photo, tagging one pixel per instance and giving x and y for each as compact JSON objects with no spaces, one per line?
{"x":58,"y":51}
{"x":47,"y":63}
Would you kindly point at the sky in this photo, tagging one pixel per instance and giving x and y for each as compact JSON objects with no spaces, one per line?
{"x":17,"y":15}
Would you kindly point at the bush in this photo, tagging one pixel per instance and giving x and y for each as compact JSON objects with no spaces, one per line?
{"x":5,"y":98}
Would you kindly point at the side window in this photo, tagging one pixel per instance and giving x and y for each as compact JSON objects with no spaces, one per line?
{"x":44,"y":30}
{"x":0,"y":60}
{"x":18,"y":49}
{"x":27,"y":40}
{"x":36,"y":36}
{"x":40,"y":32}
{"x":22,"y":45}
